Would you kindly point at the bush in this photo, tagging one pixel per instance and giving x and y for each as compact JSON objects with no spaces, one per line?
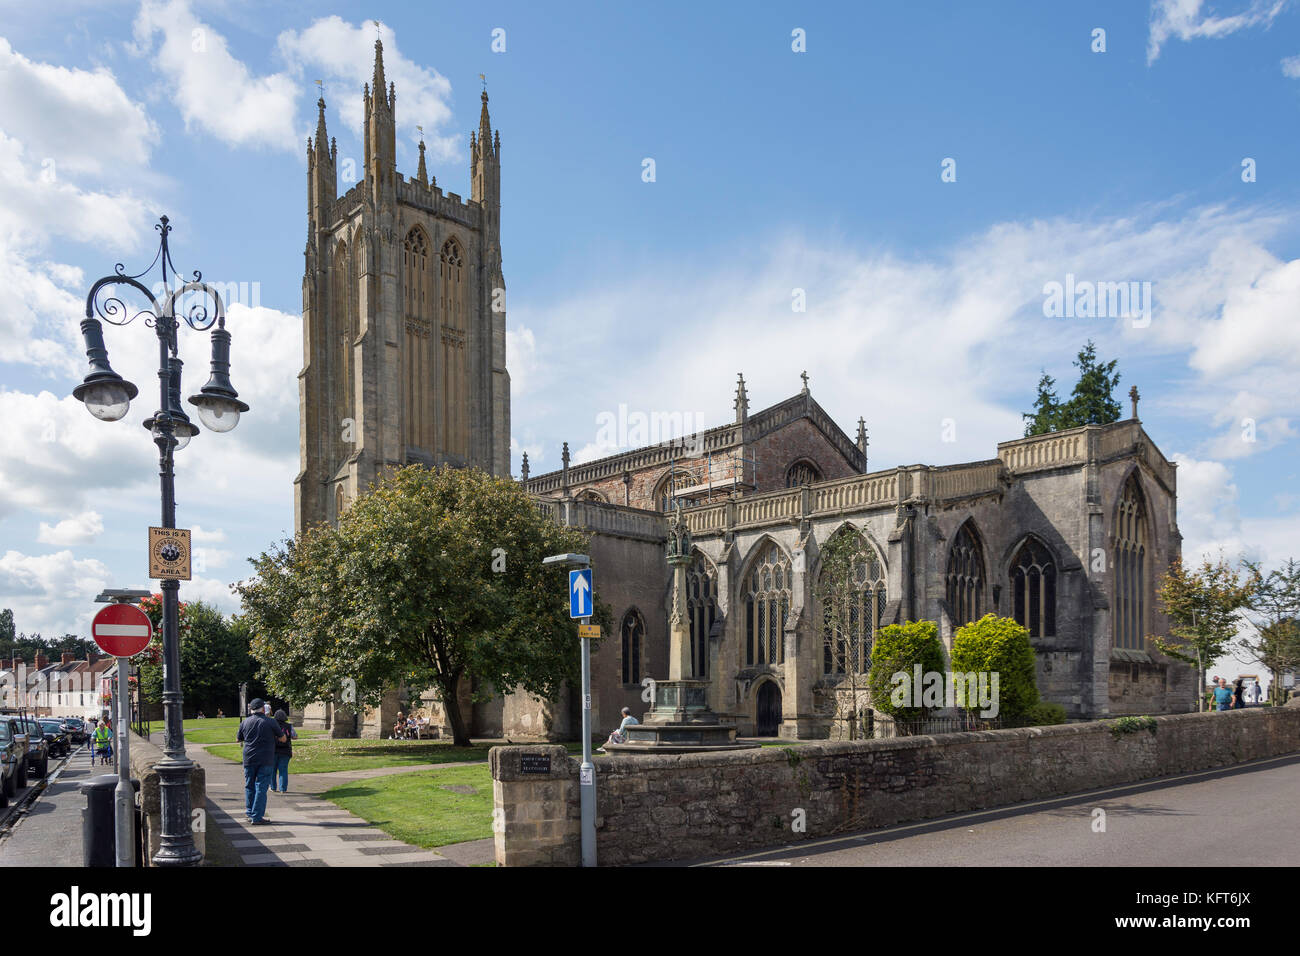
{"x":998,"y":645}
{"x":1044,"y":714}
{"x":900,"y":647}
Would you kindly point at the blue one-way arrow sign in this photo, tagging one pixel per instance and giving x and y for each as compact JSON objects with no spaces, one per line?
{"x":580,"y":593}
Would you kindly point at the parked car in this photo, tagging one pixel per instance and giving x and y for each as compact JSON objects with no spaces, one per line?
{"x":11,"y":759}
{"x":32,"y":735}
{"x":76,"y":728}
{"x":56,"y":737}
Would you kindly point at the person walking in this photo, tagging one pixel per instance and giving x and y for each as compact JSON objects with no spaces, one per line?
{"x":101,"y":743}
{"x":259,"y":734}
{"x":283,"y":753}
{"x":1238,"y":690}
{"x":1222,"y":695}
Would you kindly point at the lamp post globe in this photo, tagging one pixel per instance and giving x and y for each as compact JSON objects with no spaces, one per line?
{"x":107,"y":401}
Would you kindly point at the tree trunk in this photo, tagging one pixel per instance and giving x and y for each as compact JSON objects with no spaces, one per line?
{"x":451,"y":704}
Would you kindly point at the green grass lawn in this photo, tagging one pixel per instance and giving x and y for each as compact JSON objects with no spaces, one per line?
{"x":427,"y":808}
{"x":214,"y":730}
{"x":322,"y":755}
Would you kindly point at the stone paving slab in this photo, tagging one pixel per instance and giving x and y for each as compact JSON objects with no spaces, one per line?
{"x":305,"y":830}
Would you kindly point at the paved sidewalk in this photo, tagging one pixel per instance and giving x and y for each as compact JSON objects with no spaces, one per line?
{"x":307,"y":830}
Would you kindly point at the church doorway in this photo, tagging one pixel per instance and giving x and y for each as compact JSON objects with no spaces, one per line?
{"x":768,"y":719}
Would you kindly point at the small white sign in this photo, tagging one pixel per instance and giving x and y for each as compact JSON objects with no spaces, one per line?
{"x":588,"y":775}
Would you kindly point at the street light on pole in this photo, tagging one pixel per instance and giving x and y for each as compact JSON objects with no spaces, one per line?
{"x":108,"y":396}
{"x":587,"y":770}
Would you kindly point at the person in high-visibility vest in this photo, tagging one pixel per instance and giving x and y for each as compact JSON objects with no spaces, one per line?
{"x":103,"y":744}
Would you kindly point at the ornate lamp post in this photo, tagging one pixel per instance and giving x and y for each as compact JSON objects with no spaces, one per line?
{"x":107,"y":396}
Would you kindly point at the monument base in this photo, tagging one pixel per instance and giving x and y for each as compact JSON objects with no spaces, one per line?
{"x":680,"y":722}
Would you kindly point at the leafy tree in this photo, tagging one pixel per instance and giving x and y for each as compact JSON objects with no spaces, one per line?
{"x":215,"y":658}
{"x":432,"y":577}
{"x":845,"y":564}
{"x":998,"y":645}
{"x":1203,"y":607}
{"x":899,"y":648}
{"x":1274,"y":612}
{"x":7,"y":633}
{"x":1091,"y":402}
{"x":1047,"y":409}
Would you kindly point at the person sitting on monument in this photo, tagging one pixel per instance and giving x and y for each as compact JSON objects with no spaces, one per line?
{"x":619,"y":736}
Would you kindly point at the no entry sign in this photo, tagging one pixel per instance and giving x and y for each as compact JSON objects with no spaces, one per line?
{"x":121,"y":630}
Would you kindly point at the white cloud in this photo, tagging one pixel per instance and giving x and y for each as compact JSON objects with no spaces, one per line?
{"x":1291,"y":67}
{"x":971,"y":315}
{"x":1183,"y":20}
{"x":78,"y":529}
{"x":214,"y":90}
{"x":52,"y":593}
{"x":82,"y":121}
{"x":217,"y":92}
{"x":343,"y":56}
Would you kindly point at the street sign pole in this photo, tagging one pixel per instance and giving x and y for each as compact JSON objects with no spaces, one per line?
{"x":587,"y":772}
{"x":123,"y":638}
{"x":124,"y":795}
{"x":582,"y":603}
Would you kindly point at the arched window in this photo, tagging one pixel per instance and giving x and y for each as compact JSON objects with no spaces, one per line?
{"x":633,"y":631}
{"x":1130,"y":567}
{"x":852,"y":599}
{"x":701,"y":609}
{"x":667,"y":489}
{"x":589,"y":495}
{"x":341,"y":344}
{"x":802,"y":472}
{"x":767,"y":603}
{"x":417,"y":345}
{"x":965,"y":578}
{"x":455,"y":372}
{"x":1033,"y":589}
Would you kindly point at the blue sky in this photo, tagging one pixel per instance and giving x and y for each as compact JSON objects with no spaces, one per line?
{"x":775,"y":170}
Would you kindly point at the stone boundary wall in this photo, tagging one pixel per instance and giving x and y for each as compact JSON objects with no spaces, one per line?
{"x":143,"y":757}
{"x":696,"y":805}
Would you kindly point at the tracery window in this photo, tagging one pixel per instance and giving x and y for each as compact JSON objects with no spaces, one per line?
{"x":1130,"y":567}
{"x":802,"y":473}
{"x":417,"y":353}
{"x":1033,"y":589}
{"x":766,"y":593}
{"x":633,"y":633}
{"x":668,"y":486}
{"x":849,"y":632}
{"x":701,"y":609}
{"x":455,"y":372}
{"x":965,"y":577}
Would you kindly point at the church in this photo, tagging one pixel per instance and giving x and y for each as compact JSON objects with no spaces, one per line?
{"x":404,"y":342}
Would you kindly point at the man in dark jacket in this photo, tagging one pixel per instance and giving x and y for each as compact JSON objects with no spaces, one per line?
{"x":259,"y":734}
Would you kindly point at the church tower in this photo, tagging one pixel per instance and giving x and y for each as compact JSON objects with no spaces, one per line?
{"x":403,"y":313}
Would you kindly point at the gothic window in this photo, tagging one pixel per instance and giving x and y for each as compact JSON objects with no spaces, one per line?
{"x":455,"y":366}
{"x":633,"y":632}
{"x":767,"y":603}
{"x":965,"y":578}
{"x":852,"y":614}
{"x":589,"y":495}
{"x":341,"y":345}
{"x":1033,"y":589}
{"x":667,"y":489}
{"x":417,"y":351}
{"x":1130,"y":567}
{"x":701,"y":608}
{"x":802,"y":473}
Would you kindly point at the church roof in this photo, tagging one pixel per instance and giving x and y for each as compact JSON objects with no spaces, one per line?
{"x":717,"y":439}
